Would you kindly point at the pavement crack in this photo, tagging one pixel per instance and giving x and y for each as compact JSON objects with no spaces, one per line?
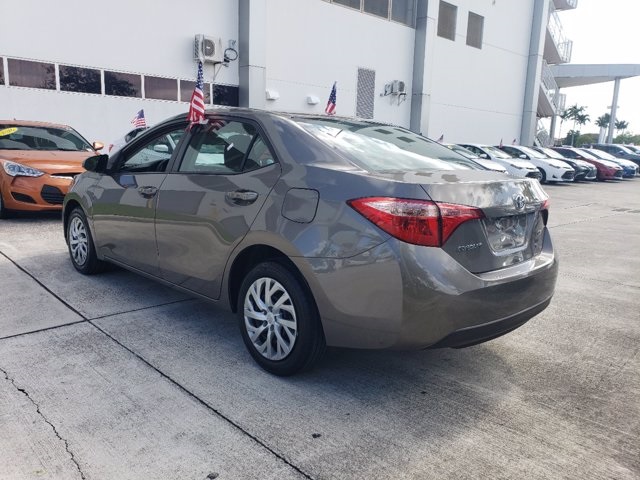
{"x":46,"y":420}
{"x":205,"y":404}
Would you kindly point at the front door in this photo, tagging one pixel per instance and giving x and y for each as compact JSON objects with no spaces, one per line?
{"x":208,"y":202}
{"x":125,"y":201}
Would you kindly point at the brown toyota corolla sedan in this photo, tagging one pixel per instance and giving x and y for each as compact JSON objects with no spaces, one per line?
{"x":319,"y":231}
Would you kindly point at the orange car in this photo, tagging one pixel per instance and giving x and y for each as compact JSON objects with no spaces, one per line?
{"x":37,"y":164}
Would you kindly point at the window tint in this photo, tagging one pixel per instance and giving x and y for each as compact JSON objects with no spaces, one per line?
{"x":259,"y":156}
{"x":475,"y":29}
{"x":349,"y":3}
{"x":226,"y":95}
{"x":377,"y":7}
{"x":76,"y":79}
{"x":154,"y":156}
{"x":377,"y":149}
{"x":17,"y":137}
{"x":403,"y":11}
{"x":447,"y":20}
{"x":186,"y":90}
{"x":23,"y":73}
{"x":122,"y":84}
{"x":218,"y":148}
{"x":161,"y":88}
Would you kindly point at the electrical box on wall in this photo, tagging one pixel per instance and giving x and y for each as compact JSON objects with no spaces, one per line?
{"x":208,"y":49}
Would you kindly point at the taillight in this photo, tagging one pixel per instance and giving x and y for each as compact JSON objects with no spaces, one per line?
{"x":419,"y":222}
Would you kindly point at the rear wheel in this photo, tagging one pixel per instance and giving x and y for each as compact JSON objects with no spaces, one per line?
{"x":278,"y":319}
{"x":81,"y":248}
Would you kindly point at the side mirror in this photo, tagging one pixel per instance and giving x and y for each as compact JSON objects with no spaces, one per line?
{"x":96,"y":164}
{"x":485,"y":156}
{"x":97,"y":146}
{"x":161,"y":148}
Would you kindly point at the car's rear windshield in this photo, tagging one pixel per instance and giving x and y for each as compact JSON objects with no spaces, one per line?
{"x":384,"y":148}
{"x":18,"y":137}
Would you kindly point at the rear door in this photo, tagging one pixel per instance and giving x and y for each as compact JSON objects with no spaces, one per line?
{"x":209,"y":200}
{"x":125,"y":200}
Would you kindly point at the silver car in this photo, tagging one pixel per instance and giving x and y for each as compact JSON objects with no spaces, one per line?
{"x":319,"y":231}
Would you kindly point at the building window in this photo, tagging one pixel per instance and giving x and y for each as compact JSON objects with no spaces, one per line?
{"x":366,"y":93}
{"x":377,"y":7}
{"x":447,"y":20}
{"x":226,"y":95}
{"x":475,"y":29}
{"x":349,"y":3}
{"x":122,"y":84}
{"x":403,"y":11}
{"x":23,"y":73}
{"x":76,"y":79}
{"x":1,"y":71}
{"x":161,"y":88}
{"x":186,"y":90}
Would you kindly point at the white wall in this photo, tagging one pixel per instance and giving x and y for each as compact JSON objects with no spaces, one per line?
{"x":152,"y":37}
{"x":311,"y":44}
{"x":477,"y":94}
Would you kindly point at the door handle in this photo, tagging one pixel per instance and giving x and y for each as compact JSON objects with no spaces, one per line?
{"x":242,"y":197}
{"x":147,"y":192}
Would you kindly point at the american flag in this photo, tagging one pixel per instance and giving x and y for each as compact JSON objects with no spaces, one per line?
{"x":139,"y":121}
{"x":196,"y":107}
{"x":331,"y":104}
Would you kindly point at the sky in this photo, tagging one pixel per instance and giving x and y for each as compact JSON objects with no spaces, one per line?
{"x":605,"y":31}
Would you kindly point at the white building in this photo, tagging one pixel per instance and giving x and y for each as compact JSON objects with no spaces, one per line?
{"x":471,"y":70}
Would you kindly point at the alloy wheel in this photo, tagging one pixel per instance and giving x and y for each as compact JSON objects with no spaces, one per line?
{"x":78,"y":241}
{"x":270,"y":319}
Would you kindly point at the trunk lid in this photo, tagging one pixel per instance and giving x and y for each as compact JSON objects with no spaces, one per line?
{"x":512,"y":230}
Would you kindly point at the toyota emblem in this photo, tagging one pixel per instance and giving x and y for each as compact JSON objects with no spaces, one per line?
{"x":519,"y":201}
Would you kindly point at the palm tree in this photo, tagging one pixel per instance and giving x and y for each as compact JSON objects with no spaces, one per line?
{"x":603,"y":120}
{"x":622,"y":125}
{"x":574,"y":112}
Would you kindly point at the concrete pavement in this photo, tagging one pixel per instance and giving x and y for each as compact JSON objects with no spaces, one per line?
{"x":115,"y":376}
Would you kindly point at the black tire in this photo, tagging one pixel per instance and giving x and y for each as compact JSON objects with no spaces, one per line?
{"x":544,"y":176}
{"x":308,"y":344}
{"x":4,"y":213}
{"x":91,"y":264}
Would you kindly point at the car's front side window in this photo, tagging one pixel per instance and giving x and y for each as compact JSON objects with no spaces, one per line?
{"x":154,"y":155}
{"x":218,"y":148}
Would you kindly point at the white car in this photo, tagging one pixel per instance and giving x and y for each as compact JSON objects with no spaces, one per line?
{"x":515,"y":166}
{"x":123,"y":140}
{"x":552,"y":169}
{"x":486,"y":163}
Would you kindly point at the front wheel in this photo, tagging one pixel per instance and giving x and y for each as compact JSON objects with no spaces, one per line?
{"x":278,"y":319}
{"x":544,"y":175}
{"x":4,"y":213}
{"x":81,"y":248}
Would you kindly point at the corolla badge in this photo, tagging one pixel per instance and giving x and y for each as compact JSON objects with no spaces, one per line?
{"x":519,"y":201}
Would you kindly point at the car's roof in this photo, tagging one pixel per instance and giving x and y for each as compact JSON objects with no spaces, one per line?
{"x":31,"y":123}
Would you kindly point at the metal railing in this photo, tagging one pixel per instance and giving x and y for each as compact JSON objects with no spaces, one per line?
{"x":563,"y":44}
{"x":550,"y":88}
{"x":542,"y":135}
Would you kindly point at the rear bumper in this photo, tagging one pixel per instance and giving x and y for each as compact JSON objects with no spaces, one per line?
{"x":401,"y":296}
{"x":467,"y":337}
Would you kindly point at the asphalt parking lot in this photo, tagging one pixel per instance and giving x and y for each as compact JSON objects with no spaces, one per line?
{"x":117,"y":377}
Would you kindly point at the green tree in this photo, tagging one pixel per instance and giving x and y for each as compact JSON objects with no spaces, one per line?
{"x":603,"y":120}
{"x":622,"y":125}
{"x":579,"y":116}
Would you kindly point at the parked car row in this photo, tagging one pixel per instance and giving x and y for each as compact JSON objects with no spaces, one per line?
{"x":554,"y":164}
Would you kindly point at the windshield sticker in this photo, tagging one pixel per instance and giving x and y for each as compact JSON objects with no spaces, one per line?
{"x":8,"y":131}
